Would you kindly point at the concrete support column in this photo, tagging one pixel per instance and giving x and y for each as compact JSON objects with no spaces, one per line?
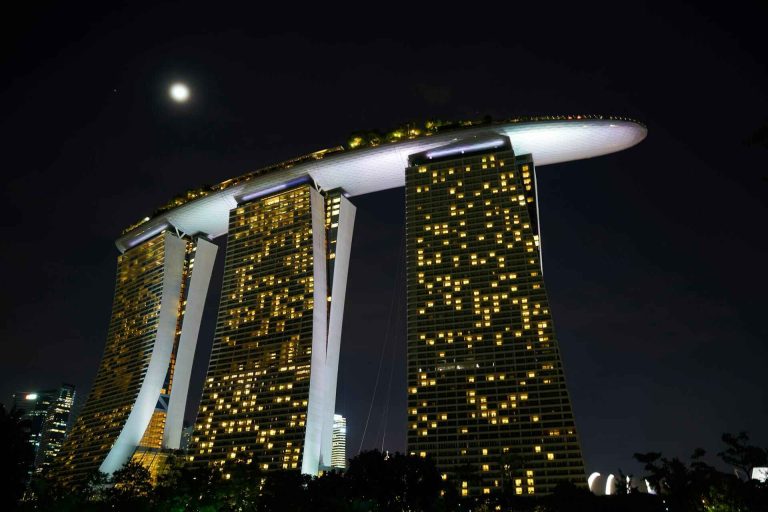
{"x":205,"y":258}
{"x":318,"y":381}
{"x":146,"y":400}
{"x":336,"y":318}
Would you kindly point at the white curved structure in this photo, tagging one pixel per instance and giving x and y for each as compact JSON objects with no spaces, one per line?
{"x":607,"y":486}
{"x":367,"y":170}
{"x":593,"y":482}
{"x":160,"y":292}
{"x":157,"y":367}
{"x":205,"y":256}
{"x":159,"y":299}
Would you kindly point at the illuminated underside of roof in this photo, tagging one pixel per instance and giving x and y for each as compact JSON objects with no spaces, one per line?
{"x":372,"y":169}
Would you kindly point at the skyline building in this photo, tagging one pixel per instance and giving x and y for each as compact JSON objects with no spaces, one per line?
{"x":49,"y":413}
{"x":186,"y":438}
{"x":487,"y":398}
{"x":139,"y":393}
{"x":339,"y":442}
{"x":270,"y":390}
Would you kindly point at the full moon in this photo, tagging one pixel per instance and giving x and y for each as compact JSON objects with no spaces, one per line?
{"x":179,"y":92}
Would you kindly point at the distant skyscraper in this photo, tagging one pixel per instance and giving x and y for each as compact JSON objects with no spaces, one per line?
{"x":339,"y":448}
{"x":140,"y":390}
{"x":186,"y":438}
{"x":487,"y":398}
{"x":49,"y":414}
{"x":270,"y":390}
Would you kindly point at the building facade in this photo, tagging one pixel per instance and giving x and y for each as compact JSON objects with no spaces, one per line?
{"x":339,"y":442}
{"x":486,"y":389}
{"x":139,"y":393}
{"x":487,"y":398}
{"x":270,"y":390}
{"x":48,"y":413}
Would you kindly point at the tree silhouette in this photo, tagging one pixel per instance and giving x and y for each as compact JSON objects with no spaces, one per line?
{"x":331,"y":492}
{"x":284,"y":490}
{"x":389,"y":483}
{"x":394,"y":483}
{"x":683,"y":486}
{"x":742,"y":456}
{"x":16,"y":457}
{"x":131,"y":488}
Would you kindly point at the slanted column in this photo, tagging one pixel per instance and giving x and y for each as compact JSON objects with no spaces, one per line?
{"x":341,"y":221}
{"x":157,"y":369}
{"x":270,"y":390}
{"x":201,"y":270}
{"x":270,"y":334}
{"x":318,"y":381}
{"x":137,"y":355}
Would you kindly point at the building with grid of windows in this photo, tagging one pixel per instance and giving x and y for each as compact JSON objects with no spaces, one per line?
{"x":486,"y":390}
{"x":269,"y":394}
{"x":339,"y":442}
{"x":48,"y":415}
{"x":138,"y":396}
{"x":487,"y":397}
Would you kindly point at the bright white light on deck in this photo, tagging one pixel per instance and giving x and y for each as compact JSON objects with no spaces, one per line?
{"x":179,"y":92}
{"x":591,"y":481}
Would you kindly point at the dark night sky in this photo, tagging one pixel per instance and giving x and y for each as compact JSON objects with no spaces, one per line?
{"x":654,"y":257}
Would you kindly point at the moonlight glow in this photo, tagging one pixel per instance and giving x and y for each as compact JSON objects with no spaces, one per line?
{"x":179,"y":92}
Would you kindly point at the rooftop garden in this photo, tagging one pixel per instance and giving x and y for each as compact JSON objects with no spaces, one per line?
{"x":359,"y":140}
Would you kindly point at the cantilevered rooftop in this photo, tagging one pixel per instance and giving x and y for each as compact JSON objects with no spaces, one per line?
{"x":550,"y":140}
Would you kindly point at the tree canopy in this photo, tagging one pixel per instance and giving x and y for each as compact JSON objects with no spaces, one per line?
{"x":377,"y":482}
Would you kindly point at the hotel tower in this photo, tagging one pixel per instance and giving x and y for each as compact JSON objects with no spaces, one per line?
{"x":270,"y":392}
{"x":487,"y":397}
{"x":136,"y":406}
{"x":486,"y":391}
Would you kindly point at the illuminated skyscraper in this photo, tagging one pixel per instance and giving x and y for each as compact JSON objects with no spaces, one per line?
{"x":339,"y":448}
{"x":271,"y":385}
{"x":48,"y":413}
{"x":139,"y":393}
{"x":487,"y":398}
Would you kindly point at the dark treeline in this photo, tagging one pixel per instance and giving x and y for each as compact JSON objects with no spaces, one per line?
{"x":374,"y":482}
{"x":697,"y":486}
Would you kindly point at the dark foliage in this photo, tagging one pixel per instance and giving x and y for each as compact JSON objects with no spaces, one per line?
{"x":16,"y":456}
{"x":376,"y":482}
{"x":131,"y":488}
{"x":741,"y":456}
{"x":398,"y":482}
{"x":697,"y":486}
